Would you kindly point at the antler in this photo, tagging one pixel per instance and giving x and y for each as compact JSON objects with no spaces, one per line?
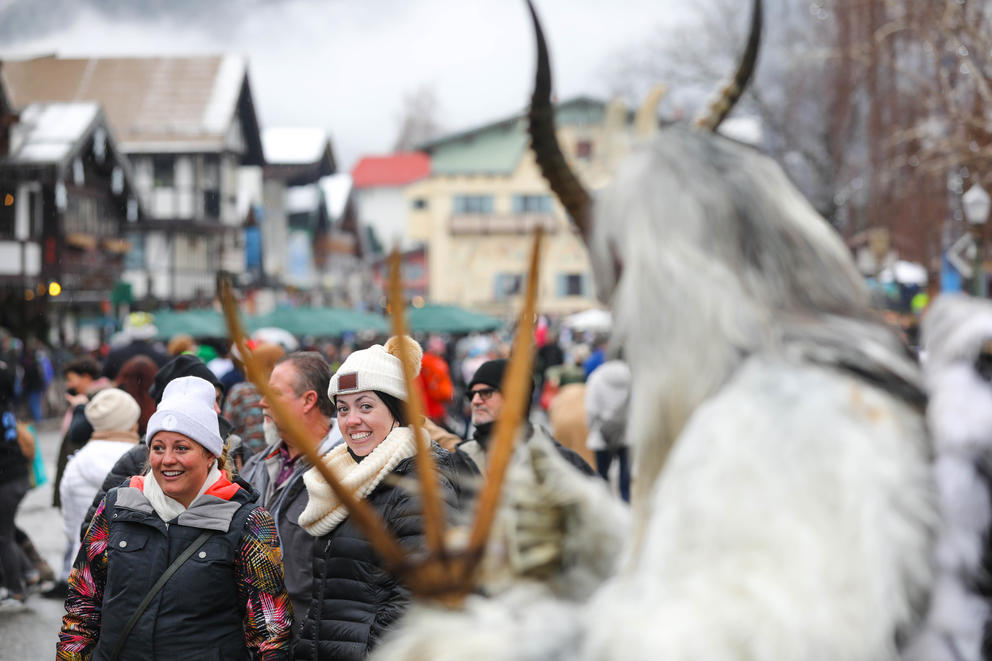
{"x":733,"y":90}
{"x":544,"y":141}
{"x":426,"y":470}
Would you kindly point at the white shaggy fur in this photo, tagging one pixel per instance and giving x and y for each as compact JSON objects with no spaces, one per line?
{"x":960,"y":417}
{"x":793,"y":519}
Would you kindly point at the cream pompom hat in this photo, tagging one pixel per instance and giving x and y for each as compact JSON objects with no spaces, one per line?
{"x":377,"y":368}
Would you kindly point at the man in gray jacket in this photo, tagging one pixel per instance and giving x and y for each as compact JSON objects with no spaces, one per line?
{"x":300,"y":383}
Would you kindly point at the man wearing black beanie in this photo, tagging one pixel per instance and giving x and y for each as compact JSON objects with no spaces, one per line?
{"x":487,"y":402}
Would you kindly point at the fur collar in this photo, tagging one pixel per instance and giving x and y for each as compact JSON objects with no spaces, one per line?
{"x":324,"y":511}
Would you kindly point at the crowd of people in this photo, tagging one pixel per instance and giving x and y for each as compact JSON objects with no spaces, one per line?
{"x":184,"y":499}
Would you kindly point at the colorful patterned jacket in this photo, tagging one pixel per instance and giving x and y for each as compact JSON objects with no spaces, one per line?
{"x":227,"y":601}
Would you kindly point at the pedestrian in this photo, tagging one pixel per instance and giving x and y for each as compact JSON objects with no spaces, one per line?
{"x":83,"y":380}
{"x":486,"y":398}
{"x":14,"y":484}
{"x":607,"y":400}
{"x":434,"y":381}
{"x":188,"y":535}
{"x":299,"y":382}
{"x":114,"y":416}
{"x":355,"y":598}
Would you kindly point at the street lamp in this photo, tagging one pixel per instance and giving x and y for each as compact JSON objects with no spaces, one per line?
{"x":976,"y":203}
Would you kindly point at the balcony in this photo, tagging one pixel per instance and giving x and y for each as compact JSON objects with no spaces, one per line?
{"x":501,"y":223}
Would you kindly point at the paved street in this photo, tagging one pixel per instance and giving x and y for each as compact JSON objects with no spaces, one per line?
{"x":31,"y":635}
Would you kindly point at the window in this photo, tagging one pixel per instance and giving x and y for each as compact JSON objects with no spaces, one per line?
{"x":572,"y":284}
{"x":419,"y":203}
{"x":507,"y":285}
{"x":135,"y":257}
{"x":531,"y":204}
{"x":163,"y":171}
{"x":583,"y":149}
{"x":211,"y":204}
{"x":211,"y":186}
{"x":7,"y":207}
{"x":473,"y":204}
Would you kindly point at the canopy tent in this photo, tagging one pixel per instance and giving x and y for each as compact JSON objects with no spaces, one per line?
{"x":596,"y":321}
{"x":320,"y":322}
{"x":435,"y":318}
{"x":198,"y":323}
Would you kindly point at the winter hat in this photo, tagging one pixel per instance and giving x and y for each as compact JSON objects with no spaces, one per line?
{"x":182,"y":365}
{"x":490,"y":373}
{"x":187,"y":407}
{"x":376,"y":368}
{"x":140,"y":326}
{"x":112,"y":409}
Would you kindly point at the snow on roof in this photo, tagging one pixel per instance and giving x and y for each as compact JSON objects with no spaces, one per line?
{"x":302,"y":199}
{"x":337,"y":188}
{"x":293,"y":144}
{"x":393,"y":170}
{"x":224,"y":95}
{"x":47,"y":132}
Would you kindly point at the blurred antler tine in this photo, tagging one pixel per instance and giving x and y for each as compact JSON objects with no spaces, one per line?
{"x":516,"y":387}
{"x":364,"y":516}
{"x":732,"y":91}
{"x":426,"y":470}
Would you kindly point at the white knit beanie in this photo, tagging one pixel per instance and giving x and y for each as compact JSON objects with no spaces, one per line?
{"x":112,"y":409}
{"x":376,"y":368}
{"x":187,"y":407}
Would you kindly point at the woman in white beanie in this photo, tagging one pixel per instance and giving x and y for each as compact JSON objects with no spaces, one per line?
{"x":180,"y":562}
{"x":354,"y":598}
{"x":113,"y":414}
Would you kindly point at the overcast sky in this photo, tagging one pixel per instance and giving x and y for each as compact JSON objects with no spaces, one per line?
{"x":345,"y":65}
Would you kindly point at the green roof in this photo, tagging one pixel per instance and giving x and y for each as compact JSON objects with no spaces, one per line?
{"x":496,"y":148}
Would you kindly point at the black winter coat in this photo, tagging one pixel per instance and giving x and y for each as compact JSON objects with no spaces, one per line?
{"x":355,"y":599}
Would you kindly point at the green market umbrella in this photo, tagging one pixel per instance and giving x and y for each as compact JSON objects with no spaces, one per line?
{"x":436,"y":318}
{"x":198,"y":323}
{"x":319,"y":321}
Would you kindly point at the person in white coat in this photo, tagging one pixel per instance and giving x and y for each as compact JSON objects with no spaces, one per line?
{"x":114,"y":415}
{"x":607,"y":399}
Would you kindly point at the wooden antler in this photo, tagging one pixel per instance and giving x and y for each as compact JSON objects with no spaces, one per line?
{"x":426,"y":470}
{"x":445,"y":575}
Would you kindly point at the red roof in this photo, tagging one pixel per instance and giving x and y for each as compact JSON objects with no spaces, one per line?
{"x":393,"y":170}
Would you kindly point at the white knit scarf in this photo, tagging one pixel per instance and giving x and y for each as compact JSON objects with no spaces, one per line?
{"x":324,"y":511}
{"x":169,"y":508}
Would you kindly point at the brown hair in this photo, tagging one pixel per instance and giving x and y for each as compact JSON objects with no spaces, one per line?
{"x":180,"y":343}
{"x":136,"y":378}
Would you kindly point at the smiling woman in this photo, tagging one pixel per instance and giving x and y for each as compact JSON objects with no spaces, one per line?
{"x":190,"y":538}
{"x":355,"y":598}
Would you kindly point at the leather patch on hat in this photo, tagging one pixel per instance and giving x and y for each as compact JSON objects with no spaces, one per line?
{"x":348,"y":381}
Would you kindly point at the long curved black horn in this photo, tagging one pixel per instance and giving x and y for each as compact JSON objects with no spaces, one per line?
{"x":733,"y":90}
{"x":544,"y":141}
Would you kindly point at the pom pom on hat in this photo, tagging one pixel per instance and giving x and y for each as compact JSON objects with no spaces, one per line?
{"x":377,"y":368}
{"x":414,"y":353}
{"x":187,"y":408}
{"x":112,"y":409}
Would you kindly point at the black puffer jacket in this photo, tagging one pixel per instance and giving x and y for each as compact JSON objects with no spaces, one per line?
{"x":355,"y":599}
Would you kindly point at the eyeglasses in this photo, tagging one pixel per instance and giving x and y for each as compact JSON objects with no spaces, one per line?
{"x":484,"y":393}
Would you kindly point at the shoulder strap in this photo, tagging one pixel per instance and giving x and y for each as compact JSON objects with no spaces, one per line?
{"x":166,"y":575}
